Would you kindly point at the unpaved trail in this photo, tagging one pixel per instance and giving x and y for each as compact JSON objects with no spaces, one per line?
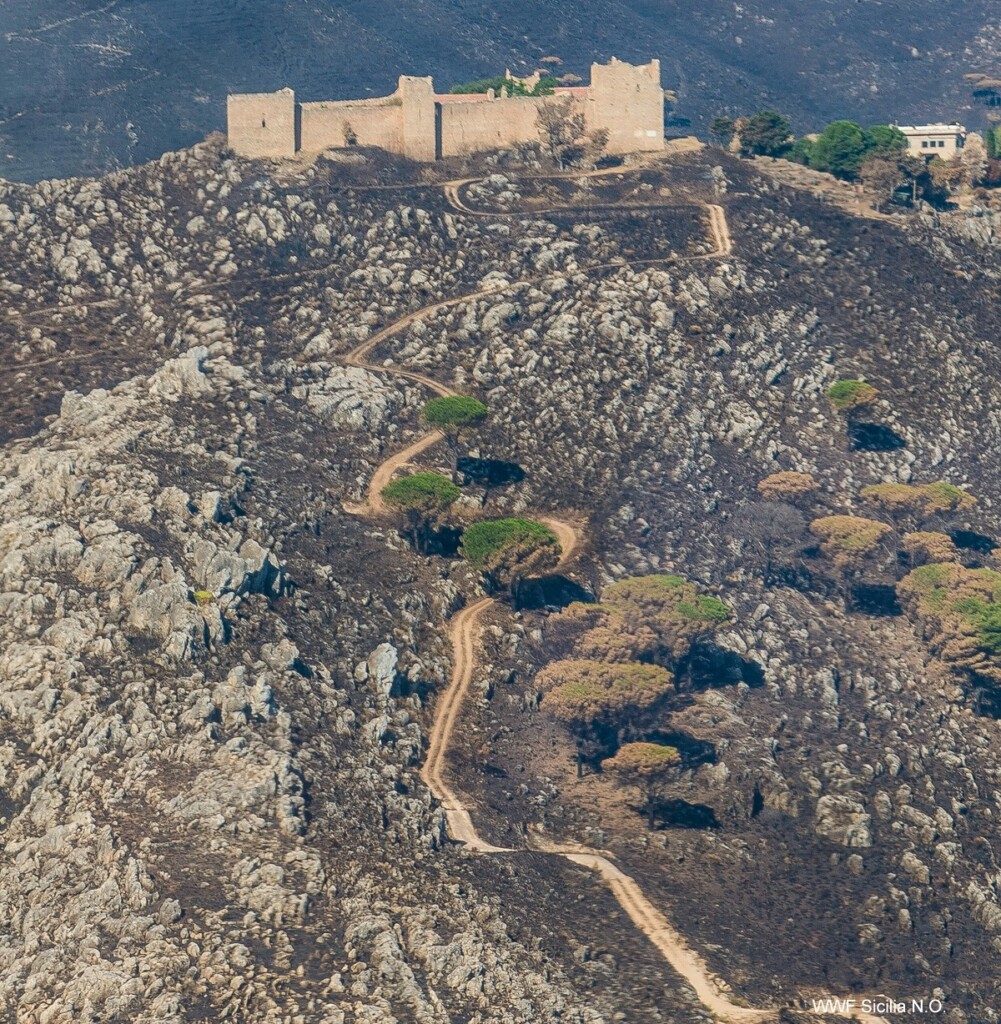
{"x":464,"y":632}
{"x":569,"y":536}
{"x":718,"y":227}
{"x":465,"y":626}
{"x":720,"y":230}
{"x":671,"y":945}
{"x":356,"y":357}
{"x":457,"y":204}
{"x":25,"y":313}
{"x":384,"y":474}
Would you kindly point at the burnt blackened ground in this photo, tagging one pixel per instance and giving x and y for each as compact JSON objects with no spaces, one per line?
{"x":822,"y":294}
{"x":756,"y":871}
{"x":659,"y":423}
{"x":513,"y":192}
{"x":563,"y":912}
{"x":646,"y":405}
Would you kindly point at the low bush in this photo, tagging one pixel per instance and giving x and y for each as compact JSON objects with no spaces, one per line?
{"x":919,"y":499}
{"x":648,"y":766}
{"x":544,"y":87}
{"x":454,"y":411}
{"x":787,"y":486}
{"x":925,"y":546}
{"x":960,"y":612}
{"x":849,"y":394}
{"x":849,"y":540}
{"x":597,"y":700}
{"x":453,"y":415}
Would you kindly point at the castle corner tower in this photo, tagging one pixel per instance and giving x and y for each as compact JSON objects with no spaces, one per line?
{"x":262,"y":124}
{"x":628,"y":100}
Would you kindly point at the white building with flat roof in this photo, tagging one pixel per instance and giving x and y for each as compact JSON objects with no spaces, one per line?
{"x":941,"y":140}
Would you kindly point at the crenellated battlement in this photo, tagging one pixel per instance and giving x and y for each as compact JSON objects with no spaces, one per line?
{"x":625,"y":99}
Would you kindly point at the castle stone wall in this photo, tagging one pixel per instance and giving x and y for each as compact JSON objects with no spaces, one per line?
{"x":263,"y":124}
{"x":334,"y":125}
{"x":476,"y":126}
{"x":414,"y":122}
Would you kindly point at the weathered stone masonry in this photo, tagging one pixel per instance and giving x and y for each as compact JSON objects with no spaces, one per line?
{"x":416,"y":122}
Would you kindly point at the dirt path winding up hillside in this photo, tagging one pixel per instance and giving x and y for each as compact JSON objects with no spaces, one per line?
{"x":464,"y":633}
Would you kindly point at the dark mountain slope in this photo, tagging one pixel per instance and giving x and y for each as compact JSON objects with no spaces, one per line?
{"x":217,"y":679}
{"x":86,"y":85}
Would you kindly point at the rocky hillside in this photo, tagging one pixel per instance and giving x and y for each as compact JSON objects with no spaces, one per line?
{"x":87,"y":87}
{"x":216,"y":681}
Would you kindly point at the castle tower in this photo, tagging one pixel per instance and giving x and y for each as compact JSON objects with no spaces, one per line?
{"x":628,"y":100}
{"x":262,"y":124}
{"x":418,"y":115}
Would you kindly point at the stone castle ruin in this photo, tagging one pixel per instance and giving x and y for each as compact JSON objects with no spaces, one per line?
{"x":415,"y":122}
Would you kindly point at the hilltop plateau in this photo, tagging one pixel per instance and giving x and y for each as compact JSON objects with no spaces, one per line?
{"x":221,"y":661}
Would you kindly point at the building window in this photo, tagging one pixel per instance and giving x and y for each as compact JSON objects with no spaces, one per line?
{"x":924,"y":143}
{"x":941,"y":143}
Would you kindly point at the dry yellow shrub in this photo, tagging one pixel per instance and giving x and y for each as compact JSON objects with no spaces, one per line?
{"x":926,"y":546}
{"x":787,"y":486}
{"x":848,"y":540}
